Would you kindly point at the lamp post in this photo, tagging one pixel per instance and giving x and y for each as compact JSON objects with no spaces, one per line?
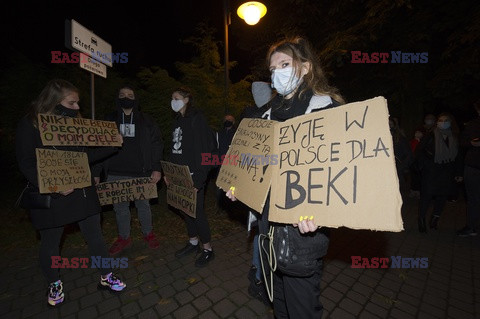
{"x":251,"y":12}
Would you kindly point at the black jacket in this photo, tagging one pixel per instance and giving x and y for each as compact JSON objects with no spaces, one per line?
{"x":437,"y":179}
{"x":191,"y":136}
{"x":150,"y":145}
{"x":80,"y":204}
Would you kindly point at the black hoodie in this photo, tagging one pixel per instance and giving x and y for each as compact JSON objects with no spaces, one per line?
{"x":191,"y":136}
{"x":139,"y":155}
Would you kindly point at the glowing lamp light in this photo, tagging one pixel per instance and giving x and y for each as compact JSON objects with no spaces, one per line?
{"x":252,"y":12}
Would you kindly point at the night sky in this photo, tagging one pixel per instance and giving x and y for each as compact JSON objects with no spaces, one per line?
{"x":151,"y":36}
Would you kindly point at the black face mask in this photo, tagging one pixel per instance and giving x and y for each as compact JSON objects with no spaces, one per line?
{"x":227,"y":124}
{"x":126,"y":103}
{"x":65,"y":111}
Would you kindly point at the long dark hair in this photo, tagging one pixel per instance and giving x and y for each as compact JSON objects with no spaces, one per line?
{"x":52,"y":94}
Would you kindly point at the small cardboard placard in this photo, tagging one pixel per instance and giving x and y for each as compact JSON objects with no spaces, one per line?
{"x":180,"y":191}
{"x":60,"y":130}
{"x":126,"y":190}
{"x":59,"y":171}
{"x":247,"y":164}
{"x":338,"y":166}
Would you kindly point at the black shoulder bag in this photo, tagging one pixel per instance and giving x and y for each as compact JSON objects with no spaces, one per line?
{"x":30,"y":198}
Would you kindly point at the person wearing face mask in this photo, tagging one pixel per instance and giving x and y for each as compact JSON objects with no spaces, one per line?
{"x":140,"y":156}
{"x":429,"y":123}
{"x":301,"y":88}
{"x":441,"y":168}
{"x":79,"y":205}
{"x":191,"y":136}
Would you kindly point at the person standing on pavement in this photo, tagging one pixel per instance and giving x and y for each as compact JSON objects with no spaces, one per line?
{"x":471,"y":142}
{"x":79,"y":205}
{"x":302,"y":88}
{"x":440,"y":161}
{"x":191,"y":137}
{"x":140,"y":156}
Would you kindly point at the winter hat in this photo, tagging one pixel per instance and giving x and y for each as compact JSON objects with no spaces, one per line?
{"x":262,"y":93}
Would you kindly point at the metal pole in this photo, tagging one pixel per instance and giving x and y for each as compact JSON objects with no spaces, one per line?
{"x":92,"y":94}
{"x":227,"y":79}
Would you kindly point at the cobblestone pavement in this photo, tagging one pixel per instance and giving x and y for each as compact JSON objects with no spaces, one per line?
{"x":161,"y":286}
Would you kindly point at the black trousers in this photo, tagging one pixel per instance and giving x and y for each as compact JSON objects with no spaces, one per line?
{"x":50,"y":245}
{"x":297,"y":297}
{"x":198,"y":226}
{"x":439,"y":202}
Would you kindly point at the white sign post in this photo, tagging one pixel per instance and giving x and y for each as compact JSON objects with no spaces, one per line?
{"x":89,"y":43}
{"x":92,"y":65}
{"x":79,"y":38}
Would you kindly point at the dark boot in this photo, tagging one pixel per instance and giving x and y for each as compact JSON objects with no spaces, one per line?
{"x":434,"y":222}
{"x":422,"y":226}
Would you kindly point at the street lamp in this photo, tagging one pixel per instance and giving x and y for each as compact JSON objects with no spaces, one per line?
{"x":251,"y":12}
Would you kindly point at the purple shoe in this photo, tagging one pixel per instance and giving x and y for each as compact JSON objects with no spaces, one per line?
{"x":111,"y":282}
{"x":55,"y":293}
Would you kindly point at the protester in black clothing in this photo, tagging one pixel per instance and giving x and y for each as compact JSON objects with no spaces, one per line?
{"x":140,"y":156}
{"x":79,"y":205}
{"x":192,"y":137}
{"x":429,"y":122}
{"x":302,"y":88}
{"x":440,"y":165}
{"x":224,"y":139}
{"x":226,"y":134}
{"x":402,"y":151}
{"x":470,"y":140}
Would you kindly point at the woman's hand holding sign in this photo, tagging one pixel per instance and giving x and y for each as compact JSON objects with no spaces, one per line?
{"x":306,"y":225}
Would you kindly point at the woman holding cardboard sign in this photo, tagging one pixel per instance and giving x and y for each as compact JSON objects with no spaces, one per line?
{"x":302,"y":88}
{"x":192,"y":137}
{"x":81,"y":205}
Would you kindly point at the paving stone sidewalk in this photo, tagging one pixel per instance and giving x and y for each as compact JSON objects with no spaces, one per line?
{"x":161,"y":286}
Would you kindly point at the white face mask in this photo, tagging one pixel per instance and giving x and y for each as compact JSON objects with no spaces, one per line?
{"x":177,"y":105}
{"x":284,"y":81}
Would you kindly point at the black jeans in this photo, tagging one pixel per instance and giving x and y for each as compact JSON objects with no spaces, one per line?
{"x":198,"y":226}
{"x":297,"y":297}
{"x":424,"y":203}
{"x":472,"y":188}
{"x":50,"y":245}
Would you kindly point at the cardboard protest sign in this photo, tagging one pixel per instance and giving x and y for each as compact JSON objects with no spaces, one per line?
{"x":126,"y":190}
{"x":59,"y":130}
{"x":337,"y":165}
{"x":180,"y":192}
{"x":61,"y":170}
{"x":247,"y":164}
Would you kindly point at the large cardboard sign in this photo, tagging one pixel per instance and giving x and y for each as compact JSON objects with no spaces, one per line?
{"x":59,"y":130}
{"x":180,"y":191}
{"x":338,"y":166}
{"x":126,"y":190}
{"x":247,"y":164}
{"x":62,"y":170}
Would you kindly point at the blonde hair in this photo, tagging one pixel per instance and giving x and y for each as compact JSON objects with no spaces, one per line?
{"x":52,"y":94}
{"x":300,"y":51}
